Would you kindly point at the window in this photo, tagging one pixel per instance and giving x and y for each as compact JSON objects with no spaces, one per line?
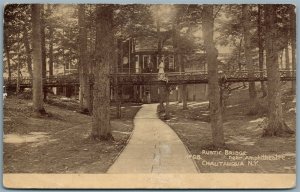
{"x":171,"y":62}
{"x":146,"y":60}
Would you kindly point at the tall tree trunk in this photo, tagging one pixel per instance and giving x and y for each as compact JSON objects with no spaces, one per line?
{"x":159,"y":49}
{"x":184,"y":96}
{"x":293,"y":42}
{"x":213,"y":81}
{"x":18,"y":76}
{"x":50,"y":55}
{"x":28,"y":51}
{"x":159,"y":42}
{"x":182,"y":91}
{"x":81,"y":55}
{"x":181,"y":69}
{"x":104,"y":45}
{"x":281,"y":60}
{"x":43,"y":44}
{"x":8,"y":63}
{"x":37,"y":60}
{"x":184,"y":87}
{"x":276,"y":125}
{"x":253,"y":104}
{"x":177,"y":57}
{"x":117,"y":87}
{"x":261,"y":49}
{"x":167,"y":116}
{"x":18,"y":66}
{"x":239,"y":58}
{"x":287,"y":56}
{"x":85,"y":104}
{"x":161,"y":107}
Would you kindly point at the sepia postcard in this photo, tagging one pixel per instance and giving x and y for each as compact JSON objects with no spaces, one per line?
{"x":149,"y":96}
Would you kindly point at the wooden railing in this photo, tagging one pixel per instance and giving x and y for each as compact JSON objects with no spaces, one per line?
{"x":194,"y":77}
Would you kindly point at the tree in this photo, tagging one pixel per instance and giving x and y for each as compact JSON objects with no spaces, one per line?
{"x":292,"y":15}
{"x":37,"y":60}
{"x":83,"y":69}
{"x":260,"y":47}
{"x":51,"y":37}
{"x":213,"y":82}
{"x":43,"y":43}
{"x":276,"y":125}
{"x":16,"y":26}
{"x":18,"y":67}
{"x":249,"y":62}
{"x":101,"y":129}
{"x":28,"y":50}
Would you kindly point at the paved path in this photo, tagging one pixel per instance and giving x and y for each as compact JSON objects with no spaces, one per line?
{"x":153,"y":148}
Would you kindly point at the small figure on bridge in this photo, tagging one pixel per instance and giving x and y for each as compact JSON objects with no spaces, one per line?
{"x":222,"y":75}
{"x":161,"y":72}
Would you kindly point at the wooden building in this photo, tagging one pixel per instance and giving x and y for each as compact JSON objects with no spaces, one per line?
{"x":140,"y":55}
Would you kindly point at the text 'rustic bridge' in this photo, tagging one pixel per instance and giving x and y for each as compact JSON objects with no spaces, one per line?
{"x":174,"y":78}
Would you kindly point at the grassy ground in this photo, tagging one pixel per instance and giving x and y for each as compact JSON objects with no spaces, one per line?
{"x":242,"y":134}
{"x":58,"y":143}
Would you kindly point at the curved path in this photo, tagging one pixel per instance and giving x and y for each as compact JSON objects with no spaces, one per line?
{"x":153,"y":148}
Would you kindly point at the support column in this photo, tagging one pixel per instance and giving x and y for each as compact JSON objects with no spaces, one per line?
{"x":135,"y":93}
{"x":167,"y":116}
{"x":65,"y":91}
{"x":184,"y":96}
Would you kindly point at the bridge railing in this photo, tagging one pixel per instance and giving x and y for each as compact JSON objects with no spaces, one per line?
{"x":192,"y":76}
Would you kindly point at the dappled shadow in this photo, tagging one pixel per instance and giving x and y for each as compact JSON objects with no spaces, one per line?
{"x":34,"y":138}
{"x":241,"y":133}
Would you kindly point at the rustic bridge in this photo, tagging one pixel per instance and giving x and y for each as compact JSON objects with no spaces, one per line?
{"x":174,"y":78}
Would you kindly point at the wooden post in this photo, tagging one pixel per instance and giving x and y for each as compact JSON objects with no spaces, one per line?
{"x":65,"y":91}
{"x":167,"y":91}
{"x":141,"y":93}
{"x":135,"y":93}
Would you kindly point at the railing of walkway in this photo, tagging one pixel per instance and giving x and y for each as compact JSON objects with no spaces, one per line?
{"x":148,"y":78}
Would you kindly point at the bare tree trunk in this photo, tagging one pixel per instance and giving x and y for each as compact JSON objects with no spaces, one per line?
{"x":118,"y":101}
{"x":167,"y":116}
{"x":261,"y":50}
{"x":135,"y":92}
{"x":85,"y":103}
{"x":177,"y":56}
{"x":81,"y":22}
{"x":8,"y":63}
{"x":101,"y":129}
{"x":213,"y":81}
{"x":276,"y":125}
{"x":281,"y":60}
{"x":287,"y":57}
{"x":239,"y":59}
{"x":117,"y":87}
{"x":253,"y":105}
{"x":161,"y":91}
{"x":37,"y":60}
{"x":18,"y":66}
{"x":181,"y":69}
{"x":183,"y":86}
{"x":44,"y":69}
{"x":293,"y":42}
{"x":159,"y":49}
{"x":50,"y":44}
{"x":28,"y":51}
{"x":184,"y":96}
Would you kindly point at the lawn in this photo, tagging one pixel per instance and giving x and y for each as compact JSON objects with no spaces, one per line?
{"x":58,"y":143}
{"x":242,"y":135}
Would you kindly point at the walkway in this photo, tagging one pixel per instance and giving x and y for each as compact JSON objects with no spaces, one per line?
{"x":153,"y":148}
